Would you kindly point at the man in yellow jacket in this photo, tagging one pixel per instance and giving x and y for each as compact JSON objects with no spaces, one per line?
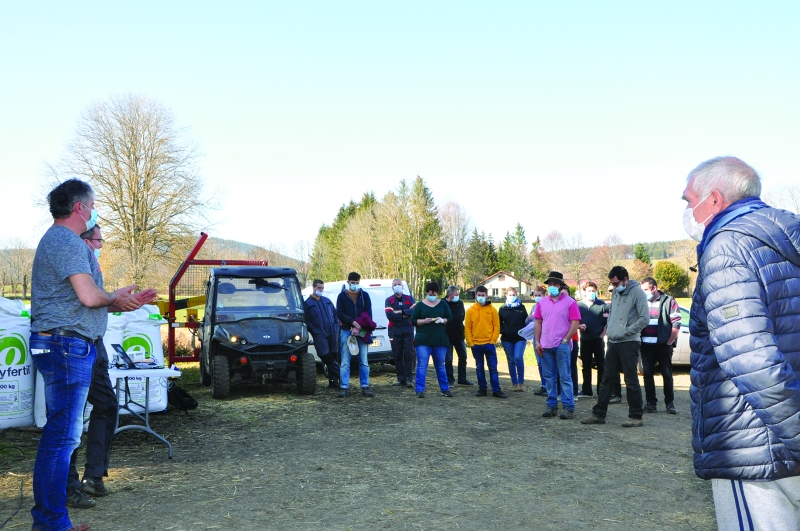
{"x":481,"y":330}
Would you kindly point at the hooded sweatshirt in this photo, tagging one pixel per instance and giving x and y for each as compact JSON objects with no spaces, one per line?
{"x":482,"y":324}
{"x":629,"y":314}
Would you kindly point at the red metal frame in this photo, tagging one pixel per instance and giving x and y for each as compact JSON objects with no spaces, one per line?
{"x":173,"y":323}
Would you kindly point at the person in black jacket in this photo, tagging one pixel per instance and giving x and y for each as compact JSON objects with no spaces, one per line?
{"x":512,"y":319}
{"x":322,"y":325}
{"x":594,"y":317}
{"x":398,"y":309}
{"x":352,"y":302}
{"x":455,"y":333}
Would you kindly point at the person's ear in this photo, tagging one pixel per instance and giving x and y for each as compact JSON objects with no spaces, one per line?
{"x":717,"y":202}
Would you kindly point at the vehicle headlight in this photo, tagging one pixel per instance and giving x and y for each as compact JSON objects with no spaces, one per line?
{"x":234,"y":339}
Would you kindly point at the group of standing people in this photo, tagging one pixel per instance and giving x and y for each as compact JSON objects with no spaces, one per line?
{"x":745,"y":325}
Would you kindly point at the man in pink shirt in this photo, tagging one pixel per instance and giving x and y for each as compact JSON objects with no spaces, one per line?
{"x":557,"y":319}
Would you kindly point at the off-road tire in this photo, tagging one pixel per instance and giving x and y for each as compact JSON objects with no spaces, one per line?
{"x":205,"y":378}
{"x":220,"y":377}
{"x":306,"y":374}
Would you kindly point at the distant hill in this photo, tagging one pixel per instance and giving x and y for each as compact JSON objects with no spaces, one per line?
{"x":219,"y":249}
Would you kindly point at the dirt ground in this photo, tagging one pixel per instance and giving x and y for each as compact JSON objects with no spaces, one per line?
{"x":268,"y":459}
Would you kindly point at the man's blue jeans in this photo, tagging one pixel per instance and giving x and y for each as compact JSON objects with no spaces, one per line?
{"x":490,"y":353}
{"x":555,"y":368}
{"x":66,"y":366}
{"x":515,"y":353}
{"x":344,"y":364}
{"x":437,"y":353}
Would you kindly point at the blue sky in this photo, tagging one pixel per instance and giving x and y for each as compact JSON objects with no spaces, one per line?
{"x":577,"y":116}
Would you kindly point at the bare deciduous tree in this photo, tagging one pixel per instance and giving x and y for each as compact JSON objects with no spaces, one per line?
{"x":456,"y":228}
{"x":144,"y":172}
{"x":16,"y":265}
{"x":612,"y":251}
{"x":786,"y":197}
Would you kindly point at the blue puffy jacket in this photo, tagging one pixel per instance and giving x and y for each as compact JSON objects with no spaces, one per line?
{"x":745,"y":326}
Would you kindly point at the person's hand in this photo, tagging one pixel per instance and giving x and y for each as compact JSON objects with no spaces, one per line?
{"x":126,"y":301}
{"x":583,"y":328}
{"x":428,"y":320}
{"x":146,"y":296}
{"x":539,"y":349}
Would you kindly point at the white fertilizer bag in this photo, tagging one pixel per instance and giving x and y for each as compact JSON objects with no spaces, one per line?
{"x":16,"y":367}
{"x":142,"y":342}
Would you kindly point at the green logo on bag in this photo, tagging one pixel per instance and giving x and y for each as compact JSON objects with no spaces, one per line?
{"x":138,"y":346}
{"x":13,"y":349}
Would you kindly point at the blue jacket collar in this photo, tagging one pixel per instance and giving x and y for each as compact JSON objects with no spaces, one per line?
{"x":734,"y":210}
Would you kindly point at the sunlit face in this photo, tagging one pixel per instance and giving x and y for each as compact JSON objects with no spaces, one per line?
{"x":589,"y":289}
{"x":614,"y":281}
{"x":511,"y":292}
{"x":319,"y":287}
{"x":96,"y":241}
{"x":704,"y":208}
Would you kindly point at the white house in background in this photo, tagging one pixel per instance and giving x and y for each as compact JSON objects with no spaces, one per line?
{"x":499,"y":282}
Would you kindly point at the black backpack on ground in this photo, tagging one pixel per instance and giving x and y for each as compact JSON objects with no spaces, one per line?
{"x":179,"y":398}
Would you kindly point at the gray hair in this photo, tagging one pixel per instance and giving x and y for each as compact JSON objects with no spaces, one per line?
{"x":731,"y":177}
{"x":400,"y":280}
{"x":452,"y":289}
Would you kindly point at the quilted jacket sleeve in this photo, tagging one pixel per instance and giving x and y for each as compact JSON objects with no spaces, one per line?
{"x":743,"y":338}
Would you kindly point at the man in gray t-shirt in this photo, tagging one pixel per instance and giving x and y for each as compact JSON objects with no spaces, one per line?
{"x":62,"y":253}
{"x":69,"y":312}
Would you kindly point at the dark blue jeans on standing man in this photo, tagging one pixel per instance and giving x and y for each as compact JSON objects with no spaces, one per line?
{"x":489,"y":352}
{"x":66,"y":366}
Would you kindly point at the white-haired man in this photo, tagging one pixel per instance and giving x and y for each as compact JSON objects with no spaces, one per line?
{"x":745,"y":325}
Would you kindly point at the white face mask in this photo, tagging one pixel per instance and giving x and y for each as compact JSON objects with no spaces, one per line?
{"x":398,"y":289}
{"x":648,"y":294}
{"x":694,"y":229}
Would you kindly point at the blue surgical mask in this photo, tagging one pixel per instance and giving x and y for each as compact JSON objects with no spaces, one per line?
{"x":620,"y":288}
{"x":481,"y":300}
{"x":553,"y":290}
{"x":92,"y":221}
{"x":649,"y":294}
{"x":455,"y":298}
{"x":591,"y":295}
{"x":318,"y":293}
{"x":510,"y":299}
{"x":537,"y":299}
{"x":398,"y":289}
{"x":432,"y":298}
{"x":97,"y":253}
{"x":352,"y":287}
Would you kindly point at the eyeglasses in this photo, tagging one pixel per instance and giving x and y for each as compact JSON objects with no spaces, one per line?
{"x":101,"y":240}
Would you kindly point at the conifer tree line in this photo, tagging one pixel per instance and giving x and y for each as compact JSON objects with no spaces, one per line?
{"x":406,"y":234}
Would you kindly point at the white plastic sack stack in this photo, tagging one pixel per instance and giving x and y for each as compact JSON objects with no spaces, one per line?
{"x":117,"y":322}
{"x":16,"y":367}
{"x":142,"y":342}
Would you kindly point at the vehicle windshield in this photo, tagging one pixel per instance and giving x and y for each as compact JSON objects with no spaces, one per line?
{"x":241,"y":298}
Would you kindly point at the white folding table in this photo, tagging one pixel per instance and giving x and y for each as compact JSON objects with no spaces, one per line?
{"x":122,"y":375}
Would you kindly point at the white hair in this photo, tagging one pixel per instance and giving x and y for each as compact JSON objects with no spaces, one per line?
{"x":731,"y":177}
{"x":451,"y":290}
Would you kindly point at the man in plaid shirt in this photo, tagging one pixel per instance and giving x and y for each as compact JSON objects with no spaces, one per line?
{"x":658,"y":340}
